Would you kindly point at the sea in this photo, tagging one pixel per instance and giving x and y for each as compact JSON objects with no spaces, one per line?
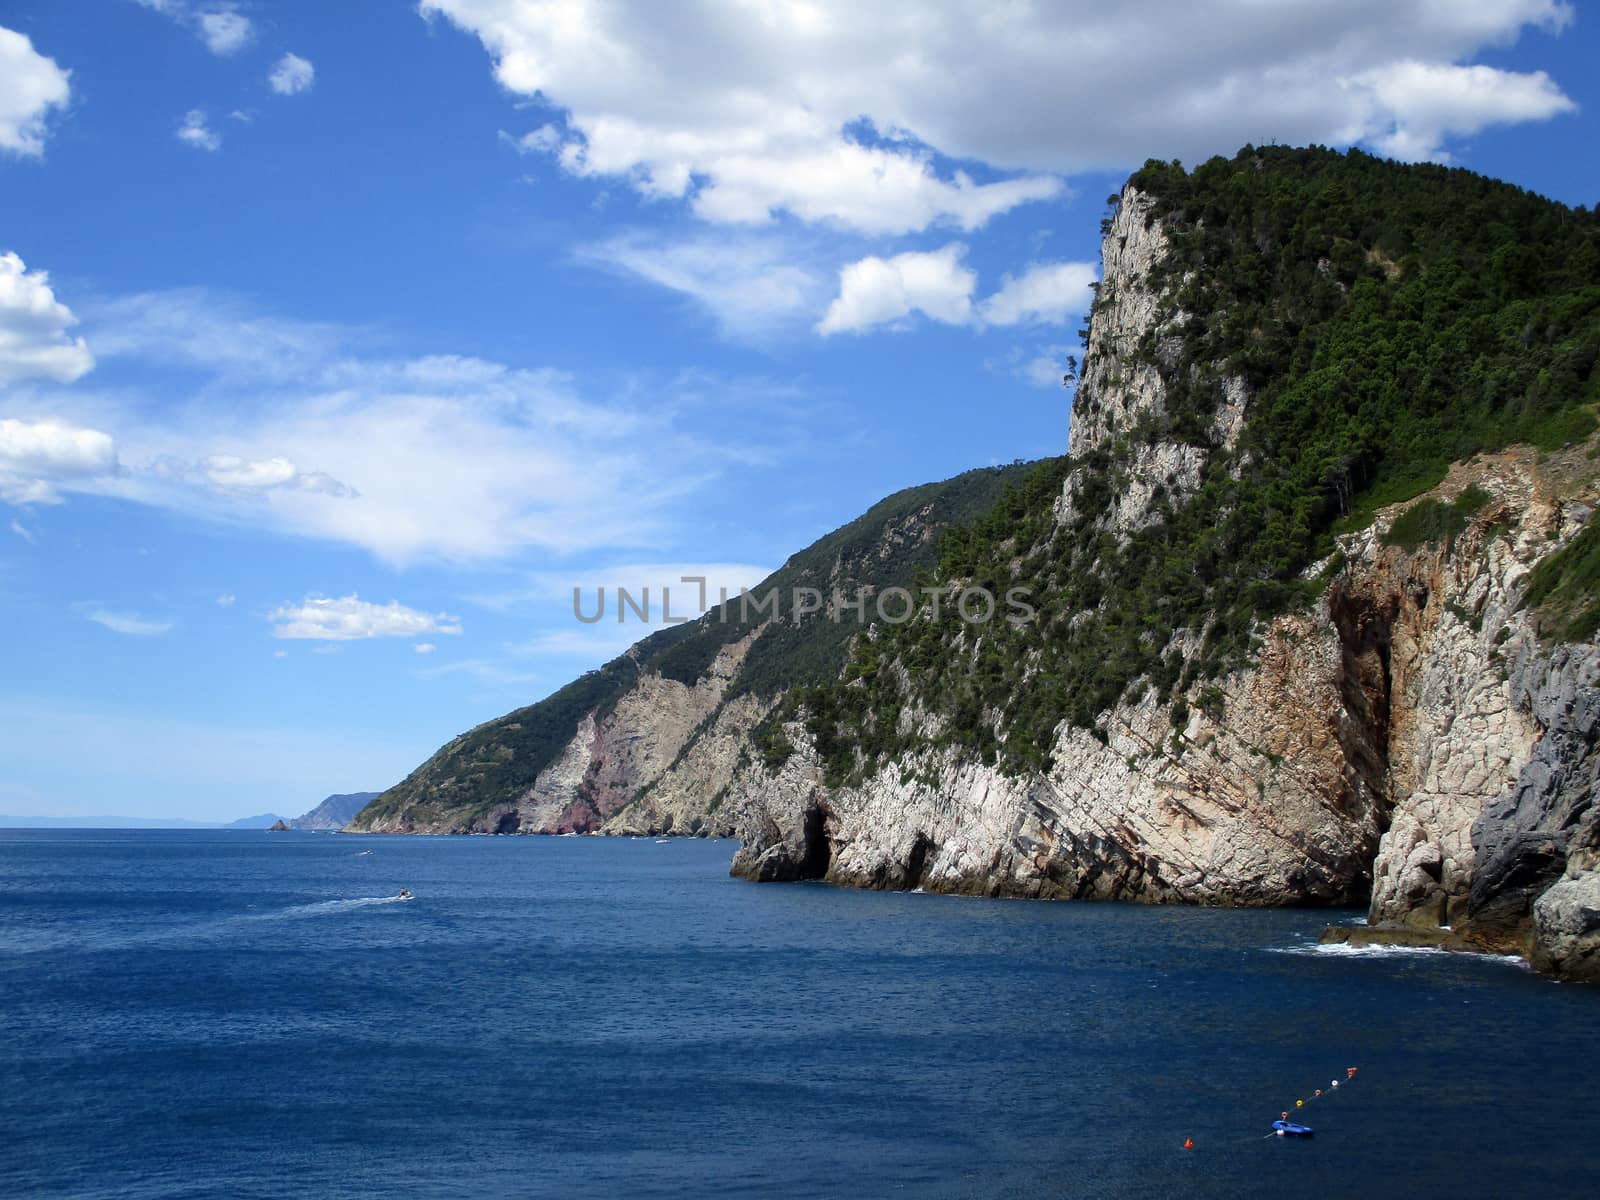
{"x":250,"y":1014}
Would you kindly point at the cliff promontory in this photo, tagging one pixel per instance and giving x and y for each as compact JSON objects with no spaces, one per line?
{"x":1311,"y":604}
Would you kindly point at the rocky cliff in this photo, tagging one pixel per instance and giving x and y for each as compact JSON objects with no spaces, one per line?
{"x":1411,"y":741}
{"x":1316,"y":623}
{"x":1419,"y":738}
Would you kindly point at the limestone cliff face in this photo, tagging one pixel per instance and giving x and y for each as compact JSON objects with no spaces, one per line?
{"x":609,"y":760}
{"x":1122,"y":391}
{"x":1410,"y":741}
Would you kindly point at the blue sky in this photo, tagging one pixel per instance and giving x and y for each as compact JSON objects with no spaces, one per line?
{"x":336,"y":350}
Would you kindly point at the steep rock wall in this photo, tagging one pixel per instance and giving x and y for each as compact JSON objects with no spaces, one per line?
{"x":1408,"y":741}
{"x":1411,"y":743}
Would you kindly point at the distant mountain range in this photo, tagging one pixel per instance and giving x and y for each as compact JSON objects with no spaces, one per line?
{"x":334,"y":812}
{"x":13,"y":822}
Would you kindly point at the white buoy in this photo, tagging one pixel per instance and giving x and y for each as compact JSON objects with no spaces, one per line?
{"x":1333,"y":1083}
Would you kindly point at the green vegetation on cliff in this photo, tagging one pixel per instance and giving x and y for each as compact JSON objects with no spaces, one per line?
{"x":1566,"y":589}
{"x":1387,"y":320}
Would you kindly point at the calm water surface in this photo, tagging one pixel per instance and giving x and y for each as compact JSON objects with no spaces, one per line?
{"x":197,"y":1014}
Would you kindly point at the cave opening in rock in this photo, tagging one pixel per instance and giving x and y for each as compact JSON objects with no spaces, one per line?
{"x":819,"y":851}
{"x":917,"y":861}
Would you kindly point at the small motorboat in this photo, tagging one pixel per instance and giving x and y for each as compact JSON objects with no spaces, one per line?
{"x":1292,"y":1129}
{"x":405,"y":894}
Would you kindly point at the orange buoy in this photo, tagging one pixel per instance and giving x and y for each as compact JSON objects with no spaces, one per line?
{"x":1188,"y":1143}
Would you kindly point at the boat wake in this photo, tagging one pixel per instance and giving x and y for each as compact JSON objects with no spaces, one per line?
{"x":323,"y":908}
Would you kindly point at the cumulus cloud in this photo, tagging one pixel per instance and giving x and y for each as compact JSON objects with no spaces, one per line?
{"x":37,"y":458}
{"x":424,"y":648}
{"x":221,"y":27}
{"x":743,"y":111}
{"x":350,"y":618}
{"x":194,"y":131}
{"x":1440,"y":101}
{"x":875,"y":290}
{"x":31,"y":87}
{"x":292,"y":75}
{"x":130,"y":624}
{"x":34,"y":342}
{"x":1046,"y":294}
{"x":226,"y":600}
{"x":223,"y":30}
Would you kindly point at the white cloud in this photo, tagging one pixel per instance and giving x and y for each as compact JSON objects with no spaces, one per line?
{"x":424,"y":648}
{"x":292,"y":75}
{"x":436,"y":458}
{"x":34,"y":342}
{"x":194,"y":131}
{"x":200,"y":330}
{"x":1046,"y":294}
{"x":750,"y":285}
{"x":23,"y":532}
{"x":350,"y":618}
{"x":878,"y":290}
{"x":542,"y":140}
{"x":1040,"y":366}
{"x":740,"y":110}
{"x":837,"y":112}
{"x":223,"y":30}
{"x":1439,"y":101}
{"x":231,"y":472}
{"x":130,"y":624}
{"x":31,"y":86}
{"x":222,"y":27}
{"x":38,"y":457}
{"x":226,"y":600}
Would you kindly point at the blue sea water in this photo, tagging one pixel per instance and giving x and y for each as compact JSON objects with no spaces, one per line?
{"x":199,"y":1014}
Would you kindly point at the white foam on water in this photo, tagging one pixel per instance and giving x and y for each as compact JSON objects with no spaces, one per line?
{"x":328,"y":907}
{"x":1345,"y":950}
